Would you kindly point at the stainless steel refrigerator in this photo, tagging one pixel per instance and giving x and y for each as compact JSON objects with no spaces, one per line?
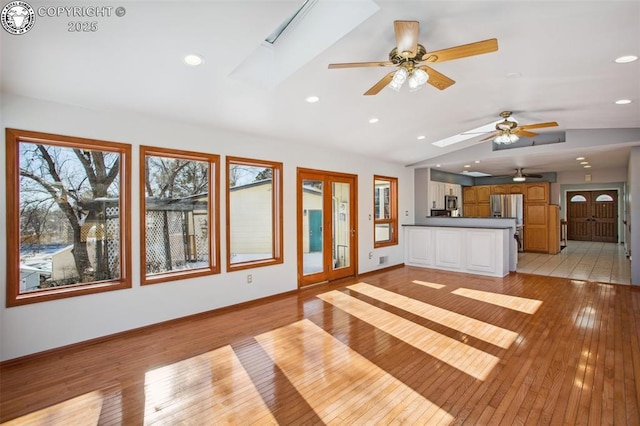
{"x":511,"y":206}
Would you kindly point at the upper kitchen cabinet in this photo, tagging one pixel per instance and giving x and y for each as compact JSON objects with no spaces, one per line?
{"x":537,"y":192}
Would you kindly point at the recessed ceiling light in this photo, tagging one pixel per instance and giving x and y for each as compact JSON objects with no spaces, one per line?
{"x":579,"y":158}
{"x":626,"y":59}
{"x":373,"y":120}
{"x":421,"y":137}
{"x":477,"y":161}
{"x":193,"y":60}
{"x":588,"y":166}
{"x":312,"y":99}
{"x":466,"y":166}
{"x":465,"y":171}
{"x":437,"y":165}
{"x":623,"y":101}
{"x":584,"y":162}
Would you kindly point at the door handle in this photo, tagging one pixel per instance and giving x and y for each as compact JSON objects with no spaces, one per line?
{"x":353,"y":232}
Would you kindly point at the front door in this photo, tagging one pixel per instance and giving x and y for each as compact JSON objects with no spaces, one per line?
{"x":326,"y":226}
{"x":592,"y":216}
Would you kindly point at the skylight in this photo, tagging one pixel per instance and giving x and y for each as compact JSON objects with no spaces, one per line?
{"x":271,"y":38}
{"x":487,"y":128}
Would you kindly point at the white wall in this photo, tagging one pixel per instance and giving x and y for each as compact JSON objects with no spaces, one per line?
{"x":41,"y":326}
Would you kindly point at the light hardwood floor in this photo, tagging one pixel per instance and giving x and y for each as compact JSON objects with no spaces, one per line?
{"x":405,"y":346}
{"x":581,"y":260}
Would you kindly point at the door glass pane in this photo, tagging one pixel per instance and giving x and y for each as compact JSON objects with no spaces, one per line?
{"x":312,"y":226}
{"x":604,"y":197}
{"x":341,"y":237}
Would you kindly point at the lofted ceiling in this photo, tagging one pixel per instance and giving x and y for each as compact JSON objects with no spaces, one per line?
{"x":555,"y":63}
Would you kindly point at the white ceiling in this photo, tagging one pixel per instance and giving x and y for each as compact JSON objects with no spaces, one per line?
{"x":562,"y":53}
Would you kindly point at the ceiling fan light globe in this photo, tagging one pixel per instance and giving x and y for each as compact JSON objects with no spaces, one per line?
{"x":400,"y":76}
{"x":519,"y":178}
{"x":502,"y":139}
{"x":513,"y":138}
{"x":395,"y":85}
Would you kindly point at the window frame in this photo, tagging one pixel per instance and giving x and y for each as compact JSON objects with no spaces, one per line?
{"x":13,"y":138}
{"x":392,"y":221}
{"x":277,"y":210}
{"x":213,"y":215}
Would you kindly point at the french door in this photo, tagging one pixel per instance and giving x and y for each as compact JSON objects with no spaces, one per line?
{"x":592,"y":216}
{"x":327,"y":230}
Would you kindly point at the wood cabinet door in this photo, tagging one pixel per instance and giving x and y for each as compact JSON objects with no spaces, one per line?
{"x":484,"y":210}
{"x":536,"y":227}
{"x":469,"y":210}
{"x":469,"y":195}
{"x":516,"y":188}
{"x":499,"y":189}
{"x":537,"y":192}
{"x":483,"y":193}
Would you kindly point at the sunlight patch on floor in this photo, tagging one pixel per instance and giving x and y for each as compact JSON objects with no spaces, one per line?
{"x":342,"y":386}
{"x":528,"y":306}
{"x":468,"y":359}
{"x":479,"y":329}
{"x":205,"y":389}
{"x":83,"y":410}
{"x":428,"y":284}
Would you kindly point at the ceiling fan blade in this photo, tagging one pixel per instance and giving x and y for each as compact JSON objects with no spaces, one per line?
{"x":531,"y":176}
{"x":407,"y":37}
{"x":471,"y":49}
{"x":376,"y":88}
{"x":518,"y":131}
{"x":493,"y":135}
{"x":539,"y":125}
{"x":437,"y":80}
{"x":362,"y":64}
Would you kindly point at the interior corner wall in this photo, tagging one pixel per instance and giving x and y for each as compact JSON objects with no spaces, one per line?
{"x":633,"y":217}
{"x":41,"y":326}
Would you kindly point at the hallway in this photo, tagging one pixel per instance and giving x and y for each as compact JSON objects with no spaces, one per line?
{"x":581,"y":260}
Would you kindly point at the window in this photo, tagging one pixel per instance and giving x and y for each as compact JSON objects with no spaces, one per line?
{"x":604,"y":197}
{"x":254,"y":213}
{"x":180,"y":201}
{"x":385,"y":211}
{"x":578,"y":199}
{"x":68,"y":216}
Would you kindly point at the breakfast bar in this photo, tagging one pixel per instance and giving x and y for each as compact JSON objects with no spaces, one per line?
{"x":470,"y":245}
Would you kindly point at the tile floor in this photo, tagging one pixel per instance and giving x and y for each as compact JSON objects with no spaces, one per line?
{"x":581,"y":260}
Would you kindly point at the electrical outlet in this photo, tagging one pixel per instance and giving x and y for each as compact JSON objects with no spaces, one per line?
{"x":370,"y":255}
{"x":249,"y":279}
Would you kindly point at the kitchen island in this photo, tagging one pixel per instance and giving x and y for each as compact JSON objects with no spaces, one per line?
{"x":482,"y":246}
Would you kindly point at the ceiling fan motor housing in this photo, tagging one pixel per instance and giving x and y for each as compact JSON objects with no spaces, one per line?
{"x":397,"y":57}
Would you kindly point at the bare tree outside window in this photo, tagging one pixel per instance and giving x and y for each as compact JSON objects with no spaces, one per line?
{"x":68,"y":206}
{"x":179,"y":230}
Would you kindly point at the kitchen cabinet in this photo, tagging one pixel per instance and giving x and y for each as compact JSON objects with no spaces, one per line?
{"x":499,"y":189}
{"x":537,"y":192}
{"x":536,"y":219}
{"x":469,"y":195}
{"x":516,"y":188}
{"x":437,"y":191}
{"x":484,"y":210}
{"x":469,"y":209}
{"x":483,"y":193}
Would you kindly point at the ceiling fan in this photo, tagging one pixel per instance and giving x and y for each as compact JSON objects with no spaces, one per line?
{"x":519,"y":176}
{"x":410,"y":59}
{"x":508,"y":131}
